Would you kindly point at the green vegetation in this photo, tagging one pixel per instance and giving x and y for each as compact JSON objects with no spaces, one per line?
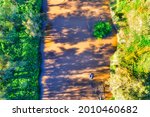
{"x":130,"y":65}
{"x":19,"y":47}
{"x":102,"y":29}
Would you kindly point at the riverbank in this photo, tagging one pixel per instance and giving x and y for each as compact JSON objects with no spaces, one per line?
{"x":20,"y":35}
{"x":130,"y":69}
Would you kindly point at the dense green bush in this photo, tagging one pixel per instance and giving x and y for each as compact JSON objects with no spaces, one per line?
{"x":130,"y":65}
{"x":102,"y":29}
{"x":19,"y":45}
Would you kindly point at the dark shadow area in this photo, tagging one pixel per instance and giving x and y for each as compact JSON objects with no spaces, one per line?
{"x":69,"y":89}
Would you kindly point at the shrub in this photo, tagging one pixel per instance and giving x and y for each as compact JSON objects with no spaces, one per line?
{"x":102,"y":29}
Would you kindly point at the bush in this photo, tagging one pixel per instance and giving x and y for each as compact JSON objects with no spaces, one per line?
{"x":102,"y":29}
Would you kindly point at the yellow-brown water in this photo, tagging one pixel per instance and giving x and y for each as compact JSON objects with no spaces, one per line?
{"x":71,"y":53}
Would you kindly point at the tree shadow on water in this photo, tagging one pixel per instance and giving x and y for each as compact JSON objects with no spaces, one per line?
{"x":74,"y":52}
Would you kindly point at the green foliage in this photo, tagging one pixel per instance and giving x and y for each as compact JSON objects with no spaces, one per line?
{"x":130,"y":65}
{"x":19,"y":45}
{"x":102,"y":29}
